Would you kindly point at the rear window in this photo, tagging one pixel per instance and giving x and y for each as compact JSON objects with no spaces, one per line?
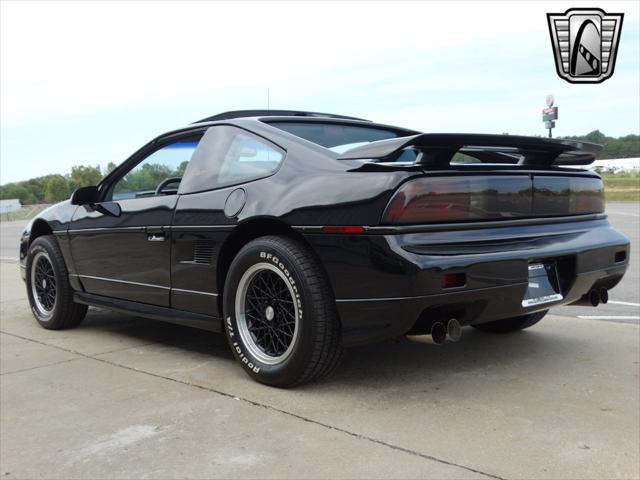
{"x":335,"y":136}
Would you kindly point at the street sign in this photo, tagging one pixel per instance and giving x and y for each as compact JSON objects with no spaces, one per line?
{"x":549,"y":114}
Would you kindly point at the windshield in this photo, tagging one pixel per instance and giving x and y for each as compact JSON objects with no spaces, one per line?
{"x":335,"y":136}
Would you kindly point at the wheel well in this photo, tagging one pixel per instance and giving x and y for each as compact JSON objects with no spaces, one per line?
{"x":38,"y":229}
{"x":243,"y":234}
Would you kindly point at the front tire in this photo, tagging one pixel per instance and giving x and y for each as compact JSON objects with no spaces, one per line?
{"x":48,"y":289}
{"x":514,"y":324}
{"x":280,"y":316}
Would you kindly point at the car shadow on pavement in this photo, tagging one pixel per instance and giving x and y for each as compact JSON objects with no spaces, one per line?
{"x":400,"y":362}
{"x":476,"y":356}
{"x":150,"y":331}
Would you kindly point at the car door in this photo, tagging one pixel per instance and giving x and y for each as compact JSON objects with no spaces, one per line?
{"x":121,"y":246}
{"x":212,"y":196}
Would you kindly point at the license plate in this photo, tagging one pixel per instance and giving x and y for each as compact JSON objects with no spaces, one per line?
{"x":543,"y":285}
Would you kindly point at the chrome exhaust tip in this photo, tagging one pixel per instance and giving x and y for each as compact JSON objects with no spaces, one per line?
{"x":593,"y":297}
{"x":604,"y":295}
{"x":438,"y":333}
{"x":454,"y":330}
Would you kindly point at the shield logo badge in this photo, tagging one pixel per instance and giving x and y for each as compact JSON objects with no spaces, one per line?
{"x":585,"y":43}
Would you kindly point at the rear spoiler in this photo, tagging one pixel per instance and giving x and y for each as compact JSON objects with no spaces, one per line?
{"x":437,"y":149}
{"x":274,"y":113}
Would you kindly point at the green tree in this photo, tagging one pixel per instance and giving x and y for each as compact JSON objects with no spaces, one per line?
{"x":8,"y":191}
{"x":19,"y":191}
{"x":621,"y":147}
{"x":181,"y":168}
{"x":596,"y":137}
{"x":56,"y":189}
{"x":144,"y":178}
{"x":84,"y":176}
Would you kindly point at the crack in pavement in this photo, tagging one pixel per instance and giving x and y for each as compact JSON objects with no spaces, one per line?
{"x":41,"y":366}
{"x":271,"y":408}
{"x":79,"y":357}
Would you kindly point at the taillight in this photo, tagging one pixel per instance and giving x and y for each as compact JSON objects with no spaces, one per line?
{"x":567,"y":195}
{"x":587,"y":196}
{"x":447,"y":199}
{"x":480,"y":197}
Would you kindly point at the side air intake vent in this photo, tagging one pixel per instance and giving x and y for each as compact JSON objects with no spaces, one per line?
{"x":203,"y":252}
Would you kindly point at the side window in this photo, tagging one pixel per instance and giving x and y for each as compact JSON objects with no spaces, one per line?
{"x":248,"y":158}
{"x":228,"y":156}
{"x":158,"y":174}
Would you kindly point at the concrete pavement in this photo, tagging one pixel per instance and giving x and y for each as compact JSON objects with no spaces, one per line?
{"x":10,"y":239}
{"x":121,"y":397}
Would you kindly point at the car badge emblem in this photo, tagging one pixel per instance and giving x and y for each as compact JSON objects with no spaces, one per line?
{"x":585,"y":43}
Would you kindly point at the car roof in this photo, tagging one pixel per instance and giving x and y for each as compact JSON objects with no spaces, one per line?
{"x":265,"y":124}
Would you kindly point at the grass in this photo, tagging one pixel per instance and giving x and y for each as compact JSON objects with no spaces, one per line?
{"x":25,"y":213}
{"x":622,"y":186}
{"x":619,"y":196}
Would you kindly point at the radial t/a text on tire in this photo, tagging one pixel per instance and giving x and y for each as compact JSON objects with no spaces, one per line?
{"x":280,"y":317}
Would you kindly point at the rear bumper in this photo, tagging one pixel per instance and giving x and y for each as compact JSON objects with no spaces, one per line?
{"x":384,"y":283}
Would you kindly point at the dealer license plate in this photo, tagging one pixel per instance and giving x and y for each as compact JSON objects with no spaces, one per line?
{"x":543,"y":285}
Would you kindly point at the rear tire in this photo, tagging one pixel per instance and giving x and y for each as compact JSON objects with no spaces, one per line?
{"x":512,"y":324}
{"x":280,"y":315}
{"x":48,"y":289}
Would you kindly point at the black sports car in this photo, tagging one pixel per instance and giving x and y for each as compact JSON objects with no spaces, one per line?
{"x":301,"y":233}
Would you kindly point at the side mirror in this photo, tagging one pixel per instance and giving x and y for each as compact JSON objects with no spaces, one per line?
{"x":108,"y":208}
{"x":85,"y":195}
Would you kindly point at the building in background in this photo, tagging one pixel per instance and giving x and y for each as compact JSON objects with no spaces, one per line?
{"x":10,"y":205}
{"x":617,"y":165}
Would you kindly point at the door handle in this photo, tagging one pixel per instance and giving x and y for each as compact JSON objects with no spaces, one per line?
{"x":155,"y":234}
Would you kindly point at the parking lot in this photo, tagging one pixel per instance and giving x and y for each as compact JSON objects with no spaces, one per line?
{"x":121,"y":397}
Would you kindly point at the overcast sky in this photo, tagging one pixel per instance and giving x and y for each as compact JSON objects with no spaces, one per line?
{"x":90,"y":82}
